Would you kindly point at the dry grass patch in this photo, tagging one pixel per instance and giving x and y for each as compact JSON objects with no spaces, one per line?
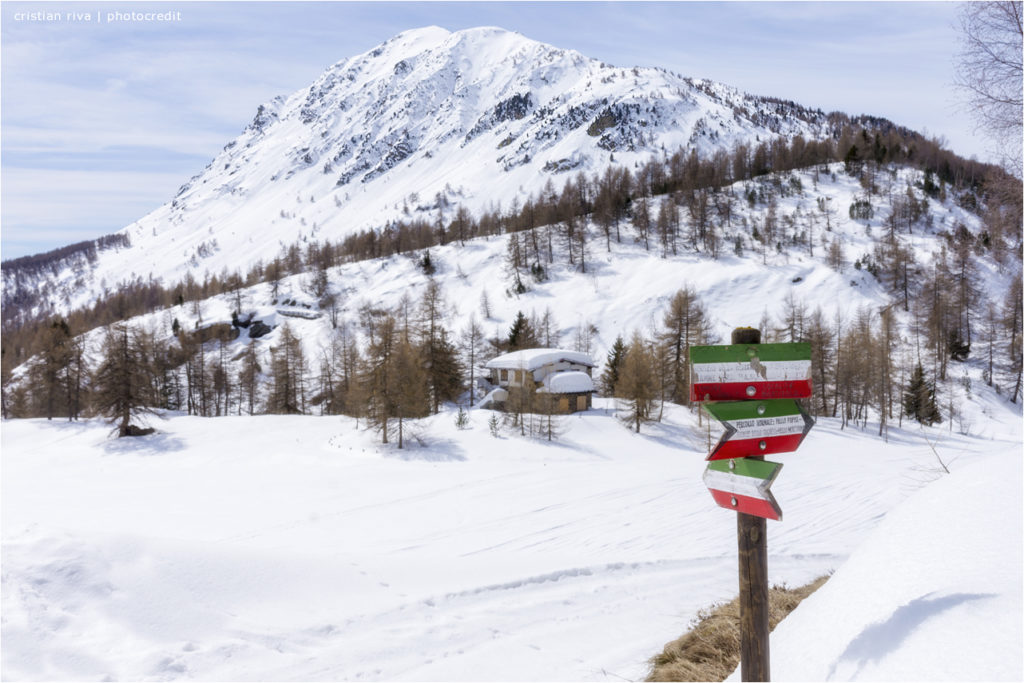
{"x":710,"y":650}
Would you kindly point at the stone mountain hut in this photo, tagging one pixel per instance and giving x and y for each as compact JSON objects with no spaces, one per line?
{"x":565,"y":375}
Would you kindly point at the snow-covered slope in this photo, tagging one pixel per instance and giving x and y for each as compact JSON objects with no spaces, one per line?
{"x":426,"y":121}
{"x":299,"y":548}
{"x":933,"y":594}
{"x":625,"y":287}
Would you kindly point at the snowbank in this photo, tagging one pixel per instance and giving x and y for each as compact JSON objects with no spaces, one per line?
{"x":933,"y":594}
{"x":571,"y":382}
{"x":300,"y":548}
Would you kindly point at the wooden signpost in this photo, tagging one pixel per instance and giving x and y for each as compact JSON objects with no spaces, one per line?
{"x":751,"y":389}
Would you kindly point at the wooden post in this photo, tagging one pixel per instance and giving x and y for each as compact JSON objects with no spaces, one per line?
{"x":753,"y":565}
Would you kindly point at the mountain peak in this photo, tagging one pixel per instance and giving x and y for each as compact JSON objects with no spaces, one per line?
{"x":482,"y":44}
{"x":430,"y":119}
{"x":415,"y":39}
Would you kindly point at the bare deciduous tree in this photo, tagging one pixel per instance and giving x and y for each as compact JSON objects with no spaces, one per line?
{"x":990,"y":74}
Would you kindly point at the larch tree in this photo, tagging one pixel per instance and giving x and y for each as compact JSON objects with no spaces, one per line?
{"x":377,"y":370}
{"x":522,"y":399}
{"x":684,"y":325}
{"x":249,"y":378}
{"x":48,"y":374}
{"x":823,"y":354}
{"x":288,"y":370}
{"x":637,"y":385}
{"x":642,"y":222}
{"x":473,"y":350}
{"x":409,"y":389}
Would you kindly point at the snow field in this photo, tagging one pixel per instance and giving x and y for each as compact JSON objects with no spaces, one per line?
{"x":934,"y":593}
{"x":298,"y":548}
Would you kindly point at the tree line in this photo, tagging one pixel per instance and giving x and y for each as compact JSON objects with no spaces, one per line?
{"x":862,"y":368}
{"x":392,"y":366}
{"x":553,"y":224}
{"x":386,"y":367}
{"x":944,"y":301}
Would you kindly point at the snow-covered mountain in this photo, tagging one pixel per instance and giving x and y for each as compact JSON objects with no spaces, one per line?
{"x":426,"y":121}
{"x":273,"y":547}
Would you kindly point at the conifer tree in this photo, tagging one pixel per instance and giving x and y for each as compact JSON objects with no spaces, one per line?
{"x":521,"y":401}
{"x":823,"y":355}
{"x":121,"y":382}
{"x":378,"y":366}
{"x":1012,"y":316}
{"x":6,"y":373}
{"x":220,"y":380}
{"x":248,"y":378}
{"x":919,"y":398}
{"x":613,"y":367}
{"x":547,"y":406}
{"x":347,"y":392}
{"x":49,"y":374}
{"x":668,"y":227}
{"x":522,"y":334}
{"x":642,"y":222}
{"x":165,"y":363}
{"x":444,"y":372}
{"x":547,"y":329}
{"x":515,"y":264}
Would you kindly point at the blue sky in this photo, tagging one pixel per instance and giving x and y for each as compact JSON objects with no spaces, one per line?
{"x":102,"y":122}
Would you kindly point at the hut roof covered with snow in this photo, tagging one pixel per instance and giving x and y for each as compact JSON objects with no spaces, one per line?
{"x":532,"y":359}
